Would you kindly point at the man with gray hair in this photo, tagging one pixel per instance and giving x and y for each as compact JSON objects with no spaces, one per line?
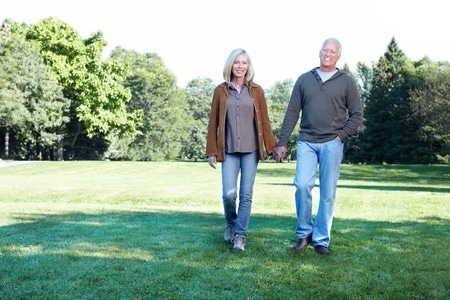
{"x":330,"y":106}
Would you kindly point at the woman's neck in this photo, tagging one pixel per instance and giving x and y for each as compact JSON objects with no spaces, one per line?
{"x":237,"y":83}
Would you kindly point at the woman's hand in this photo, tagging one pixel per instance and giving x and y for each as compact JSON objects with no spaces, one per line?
{"x":212,"y":160}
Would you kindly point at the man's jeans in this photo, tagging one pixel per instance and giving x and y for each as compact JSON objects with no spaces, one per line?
{"x":246,"y":163}
{"x":328,"y":156}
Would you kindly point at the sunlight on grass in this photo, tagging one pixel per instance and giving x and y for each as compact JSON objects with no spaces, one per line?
{"x":21,"y":250}
{"x":111,"y":252}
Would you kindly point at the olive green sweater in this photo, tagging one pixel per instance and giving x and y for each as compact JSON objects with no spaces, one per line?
{"x":328,"y":109}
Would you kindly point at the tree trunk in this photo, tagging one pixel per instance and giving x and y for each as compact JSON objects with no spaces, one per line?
{"x":60,"y":149}
{"x":7,"y":143}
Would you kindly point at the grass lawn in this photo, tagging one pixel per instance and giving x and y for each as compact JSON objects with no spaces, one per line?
{"x":149,"y":230}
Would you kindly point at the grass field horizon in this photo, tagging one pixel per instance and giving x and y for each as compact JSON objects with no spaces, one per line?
{"x":153,"y":230}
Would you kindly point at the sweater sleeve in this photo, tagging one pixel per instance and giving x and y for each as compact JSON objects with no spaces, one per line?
{"x":291,"y":116}
{"x":355,"y":113}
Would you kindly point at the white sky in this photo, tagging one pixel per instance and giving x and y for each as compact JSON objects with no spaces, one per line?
{"x":194,"y":37}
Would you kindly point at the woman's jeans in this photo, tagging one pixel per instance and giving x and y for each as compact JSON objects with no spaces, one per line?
{"x":328,"y":156}
{"x":246,"y":163}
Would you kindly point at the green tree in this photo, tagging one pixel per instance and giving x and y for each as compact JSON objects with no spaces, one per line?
{"x":32,"y":105}
{"x":363,"y":78}
{"x":200,"y":93}
{"x":98,"y":98}
{"x":166,"y":117}
{"x":277,"y":101}
{"x":390,"y":135}
{"x":430,"y":103}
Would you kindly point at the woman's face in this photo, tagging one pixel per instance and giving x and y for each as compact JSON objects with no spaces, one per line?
{"x":240,"y":66}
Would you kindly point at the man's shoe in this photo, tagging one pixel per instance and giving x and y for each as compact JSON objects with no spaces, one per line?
{"x":229,"y":232}
{"x":239,"y":241}
{"x":302,"y":244}
{"x":322,"y":250}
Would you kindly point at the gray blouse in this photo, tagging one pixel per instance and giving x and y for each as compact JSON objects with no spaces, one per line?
{"x":240,"y":130}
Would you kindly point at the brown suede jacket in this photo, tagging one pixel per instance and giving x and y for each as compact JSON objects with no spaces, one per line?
{"x":215,"y":140}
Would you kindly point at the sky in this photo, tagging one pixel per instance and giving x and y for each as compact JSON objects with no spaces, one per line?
{"x":283,"y":38}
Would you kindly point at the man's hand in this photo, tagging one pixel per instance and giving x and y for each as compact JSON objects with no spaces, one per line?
{"x":212,"y":160}
{"x":279,"y":153}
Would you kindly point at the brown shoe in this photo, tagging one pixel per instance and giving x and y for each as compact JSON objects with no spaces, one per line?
{"x":302,"y":244}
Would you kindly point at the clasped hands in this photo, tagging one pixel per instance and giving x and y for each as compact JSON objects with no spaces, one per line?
{"x":278,"y":153}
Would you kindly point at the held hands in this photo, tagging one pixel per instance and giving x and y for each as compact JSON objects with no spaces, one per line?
{"x":212,"y":160}
{"x":279,"y":153}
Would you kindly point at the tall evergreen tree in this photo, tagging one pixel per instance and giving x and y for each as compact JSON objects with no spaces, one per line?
{"x":391,"y":128}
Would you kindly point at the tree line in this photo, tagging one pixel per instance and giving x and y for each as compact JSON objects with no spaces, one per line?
{"x":60,"y":99}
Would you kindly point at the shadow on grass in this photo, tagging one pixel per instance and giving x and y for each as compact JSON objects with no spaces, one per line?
{"x":397,"y":173}
{"x":425,"y":189}
{"x":413,"y":178}
{"x":397,"y":188}
{"x":178,"y":255}
{"x":376,"y":173}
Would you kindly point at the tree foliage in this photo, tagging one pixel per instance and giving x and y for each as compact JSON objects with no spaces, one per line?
{"x":402,"y":95}
{"x":32,"y":105}
{"x":277,"y":101}
{"x":199,"y":98}
{"x":430,"y":103}
{"x":166,"y":118}
{"x":56,"y":90}
{"x":98,"y":99}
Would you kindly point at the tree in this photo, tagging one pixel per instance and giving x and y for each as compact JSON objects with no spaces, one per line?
{"x":430,"y":103}
{"x":32,"y":105}
{"x":200,"y":93}
{"x":98,"y":98}
{"x":277,"y":101}
{"x":166,"y":118}
{"x":390,"y":134}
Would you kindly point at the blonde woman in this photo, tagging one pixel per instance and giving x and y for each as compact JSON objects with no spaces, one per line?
{"x":239,"y":135}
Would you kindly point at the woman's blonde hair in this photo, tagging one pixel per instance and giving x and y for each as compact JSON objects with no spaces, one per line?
{"x":227,"y":69}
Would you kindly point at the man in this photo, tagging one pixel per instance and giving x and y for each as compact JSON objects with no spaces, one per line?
{"x":331,"y":111}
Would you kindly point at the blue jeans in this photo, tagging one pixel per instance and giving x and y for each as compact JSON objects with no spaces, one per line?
{"x":328,"y":157}
{"x":246,"y":164}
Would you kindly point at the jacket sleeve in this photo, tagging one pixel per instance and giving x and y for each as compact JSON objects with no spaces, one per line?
{"x":267,"y":133}
{"x":213,"y":125}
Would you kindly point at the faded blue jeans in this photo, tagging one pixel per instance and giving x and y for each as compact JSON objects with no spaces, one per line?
{"x":328,"y":157}
{"x":245,"y":164}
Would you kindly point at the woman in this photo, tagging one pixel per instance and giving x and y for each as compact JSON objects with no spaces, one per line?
{"x":239,"y":135}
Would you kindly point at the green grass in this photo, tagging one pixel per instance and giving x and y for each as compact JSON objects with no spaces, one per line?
{"x":143,"y":230}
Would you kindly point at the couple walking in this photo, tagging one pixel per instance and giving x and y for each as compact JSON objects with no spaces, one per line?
{"x":240,"y":135}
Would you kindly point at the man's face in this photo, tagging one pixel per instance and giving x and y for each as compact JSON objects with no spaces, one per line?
{"x":329,"y":55}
